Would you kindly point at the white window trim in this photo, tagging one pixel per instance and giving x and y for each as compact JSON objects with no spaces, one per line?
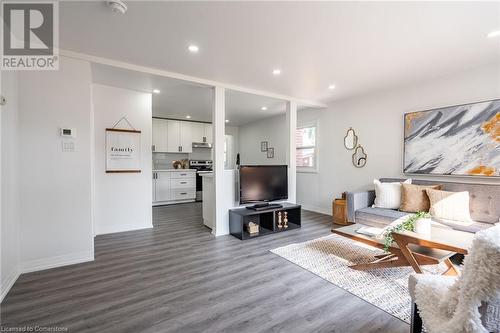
{"x":314,"y":169}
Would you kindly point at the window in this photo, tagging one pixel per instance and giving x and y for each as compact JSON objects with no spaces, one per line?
{"x":307,"y":153}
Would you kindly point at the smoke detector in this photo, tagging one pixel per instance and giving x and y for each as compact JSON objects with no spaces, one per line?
{"x":117,"y":6}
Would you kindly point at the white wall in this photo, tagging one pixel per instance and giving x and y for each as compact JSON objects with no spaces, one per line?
{"x":232,"y":149}
{"x":122,"y":201}
{"x":273,"y":130}
{"x":9,"y":206}
{"x":55,"y":186}
{"x":378,"y":121}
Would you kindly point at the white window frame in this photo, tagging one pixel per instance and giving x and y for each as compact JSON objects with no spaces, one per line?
{"x":314,"y":169}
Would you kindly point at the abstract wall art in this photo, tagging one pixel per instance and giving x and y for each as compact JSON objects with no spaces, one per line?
{"x":456,"y":140}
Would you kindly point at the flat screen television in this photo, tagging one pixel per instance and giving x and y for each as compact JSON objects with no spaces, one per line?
{"x":263,"y":183}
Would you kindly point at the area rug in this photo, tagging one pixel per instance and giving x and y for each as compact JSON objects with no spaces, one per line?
{"x":329,"y":257}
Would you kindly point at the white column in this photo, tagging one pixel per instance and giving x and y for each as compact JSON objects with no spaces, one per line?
{"x":219,"y":124}
{"x":291,"y":120}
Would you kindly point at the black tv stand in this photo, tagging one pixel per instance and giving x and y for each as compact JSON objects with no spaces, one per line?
{"x":264,"y":206}
{"x":266,"y":218}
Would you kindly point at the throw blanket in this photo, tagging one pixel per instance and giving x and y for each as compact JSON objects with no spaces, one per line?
{"x":449,"y":304}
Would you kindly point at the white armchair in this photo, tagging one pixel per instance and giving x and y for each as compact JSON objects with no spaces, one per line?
{"x":469,"y":303}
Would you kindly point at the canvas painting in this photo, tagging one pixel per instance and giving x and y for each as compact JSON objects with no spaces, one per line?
{"x":455,"y":140}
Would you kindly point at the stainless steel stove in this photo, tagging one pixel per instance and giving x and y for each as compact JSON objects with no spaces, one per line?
{"x":201,"y":166}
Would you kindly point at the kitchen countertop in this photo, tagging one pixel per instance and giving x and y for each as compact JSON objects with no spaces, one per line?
{"x":174,"y":170}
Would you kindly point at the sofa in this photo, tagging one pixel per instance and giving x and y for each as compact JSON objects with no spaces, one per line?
{"x":484,"y":206}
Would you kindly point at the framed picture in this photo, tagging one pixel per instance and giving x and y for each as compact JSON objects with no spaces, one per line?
{"x":459,"y":140}
{"x":270,"y":152}
{"x":263,"y":146}
{"x":123,"y":150}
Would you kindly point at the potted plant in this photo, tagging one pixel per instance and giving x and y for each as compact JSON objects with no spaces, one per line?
{"x":419,"y":222}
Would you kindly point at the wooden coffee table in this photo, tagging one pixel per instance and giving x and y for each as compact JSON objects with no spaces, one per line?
{"x":411,"y":249}
{"x":441,"y":238}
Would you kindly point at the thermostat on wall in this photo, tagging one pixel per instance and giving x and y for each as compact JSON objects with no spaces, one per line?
{"x":68,"y":132}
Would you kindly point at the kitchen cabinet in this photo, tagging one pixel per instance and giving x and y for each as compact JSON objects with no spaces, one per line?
{"x":175,"y":136}
{"x":198,"y":131}
{"x":208,"y":133}
{"x":159,"y":135}
{"x":186,"y":137}
{"x":162,"y":186}
{"x":173,"y":186}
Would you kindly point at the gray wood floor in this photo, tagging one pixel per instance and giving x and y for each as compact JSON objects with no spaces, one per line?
{"x":177,"y":277}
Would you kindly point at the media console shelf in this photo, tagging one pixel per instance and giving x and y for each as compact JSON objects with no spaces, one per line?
{"x":266,"y":219}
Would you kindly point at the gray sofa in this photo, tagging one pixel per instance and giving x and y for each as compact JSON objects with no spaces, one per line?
{"x":484,"y":205}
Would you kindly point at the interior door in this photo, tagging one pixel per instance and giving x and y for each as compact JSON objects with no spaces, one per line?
{"x":163,"y":186}
{"x":186,"y":137}
{"x":173,"y":136}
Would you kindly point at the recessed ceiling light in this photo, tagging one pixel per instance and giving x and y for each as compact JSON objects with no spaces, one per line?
{"x":276,"y":71}
{"x":331,"y":86}
{"x":193,"y":48}
{"x":264,"y":108}
{"x":227,"y":120}
{"x":494,"y":34}
{"x":188,"y":117}
{"x":156,"y":91}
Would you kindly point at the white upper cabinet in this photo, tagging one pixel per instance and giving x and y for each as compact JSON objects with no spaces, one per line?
{"x":159,"y":135}
{"x":198,"y":131}
{"x":174,"y":136}
{"x":208,"y":133}
{"x":186,"y":136}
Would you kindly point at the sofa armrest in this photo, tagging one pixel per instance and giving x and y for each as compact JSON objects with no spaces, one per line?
{"x":358,"y":200}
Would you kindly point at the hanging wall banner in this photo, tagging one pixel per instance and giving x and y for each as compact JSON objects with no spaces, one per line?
{"x":123,"y":150}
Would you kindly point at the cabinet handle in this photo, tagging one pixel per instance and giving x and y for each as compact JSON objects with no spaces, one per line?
{"x":183,"y":193}
{"x":204,"y":139}
{"x":184,"y":182}
{"x":154,"y":148}
{"x":183,"y":174}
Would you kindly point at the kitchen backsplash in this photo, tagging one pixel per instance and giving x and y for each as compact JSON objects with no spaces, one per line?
{"x":164,"y":160}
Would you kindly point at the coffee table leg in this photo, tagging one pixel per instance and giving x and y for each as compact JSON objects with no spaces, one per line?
{"x":451,"y":271}
{"x":389,"y":260}
{"x":407,"y":254}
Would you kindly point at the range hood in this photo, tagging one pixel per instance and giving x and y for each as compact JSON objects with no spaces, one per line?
{"x":202,"y":145}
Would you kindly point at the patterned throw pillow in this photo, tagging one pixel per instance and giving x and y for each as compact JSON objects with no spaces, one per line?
{"x":449,"y":205}
{"x":388,"y":195}
{"x":415,"y":199}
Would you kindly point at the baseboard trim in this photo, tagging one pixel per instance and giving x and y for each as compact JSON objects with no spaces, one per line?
{"x":8,"y":283}
{"x":58,"y":261}
{"x":317,"y":209}
{"x":121,"y":228}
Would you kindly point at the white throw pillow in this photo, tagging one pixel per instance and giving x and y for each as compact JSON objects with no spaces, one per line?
{"x":452,"y":206}
{"x":388,"y":195}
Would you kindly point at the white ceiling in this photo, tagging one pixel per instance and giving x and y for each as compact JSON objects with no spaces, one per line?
{"x":359,"y":46}
{"x":177,"y":98}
